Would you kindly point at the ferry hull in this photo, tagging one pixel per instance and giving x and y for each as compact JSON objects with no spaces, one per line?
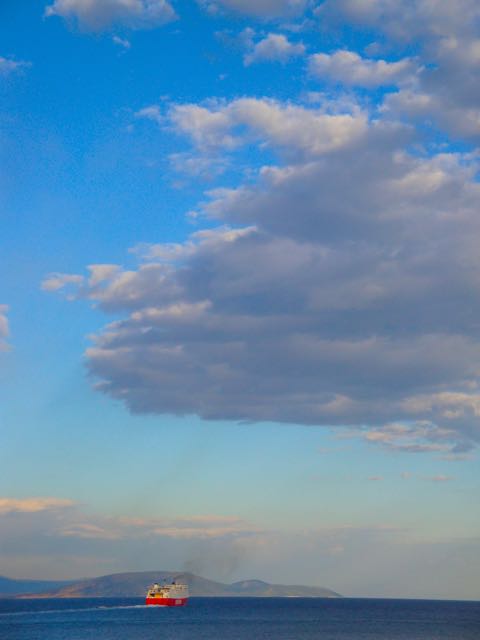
{"x":166,"y":602}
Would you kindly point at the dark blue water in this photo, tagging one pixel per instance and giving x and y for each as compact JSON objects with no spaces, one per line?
{"x":239,"y":619}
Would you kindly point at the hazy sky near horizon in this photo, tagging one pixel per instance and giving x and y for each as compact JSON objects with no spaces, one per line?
{"x":240,"y":289}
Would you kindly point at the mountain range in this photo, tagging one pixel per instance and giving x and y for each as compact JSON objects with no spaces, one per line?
{"x":11,"y":587}
{"x":136,"y":583}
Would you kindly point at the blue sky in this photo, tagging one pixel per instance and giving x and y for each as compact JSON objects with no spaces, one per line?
{"x":239,"y":294}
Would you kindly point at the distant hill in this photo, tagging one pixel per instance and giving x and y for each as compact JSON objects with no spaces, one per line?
{"x":10,"y":587}
{"x":135,"y":584}
{"x":264,"y":589}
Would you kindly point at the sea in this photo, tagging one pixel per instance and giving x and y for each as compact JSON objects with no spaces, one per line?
{"x":239,"y":619}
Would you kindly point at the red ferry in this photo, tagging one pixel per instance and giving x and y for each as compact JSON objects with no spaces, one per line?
{"x":167,"y":595}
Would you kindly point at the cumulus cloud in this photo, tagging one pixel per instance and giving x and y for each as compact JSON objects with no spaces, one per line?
{"x":341,"y":284}
{"x":293,"y":129}
{"x":417,"y":19}
{"x":445,"y":92}
{"x":348,"y":68}
{"x":340,"y":291}
{"x":96,"y":15}
{"x":438,"y":107}
{"x":217,"y":129}
{"x":275,"y":47}
{"x":267,"y":9}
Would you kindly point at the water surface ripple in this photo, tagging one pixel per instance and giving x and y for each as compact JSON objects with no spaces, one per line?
{"x":239,"y":619}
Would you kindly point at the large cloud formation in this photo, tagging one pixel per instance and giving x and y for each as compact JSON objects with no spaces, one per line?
{"x":341,"y":288}
{"x":340,"y":285}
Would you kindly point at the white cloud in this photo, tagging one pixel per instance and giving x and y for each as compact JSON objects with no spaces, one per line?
{"x":414,"y":437}
{"x":45,"y":536}
{"x":347,"y":67}
{"x":299,"y":308}
{"x":290,"y":128}
{"x":267,"y":9}
{"x":441,"y":478}
{"x":9,"y":66}
{"x":153,"y":113}
{"x":417,"y":19}
{"x":96,"y":15}
{"x":198,"y":166}
{"x":98,"y":273}
{"x":449,"y":404}
{"x":444,"y":92}
{"x":4,"y":328}
{"x":218,"y":127}
{"x":32,"y":505}
{"x":85,"y":530}
{"x":274,"y":47}
{"x":438,"y":107}
{"x":209,"y":128}
{"x":117,"y":528}
{"x":56,"y":281}
{"x":354,"y":560}
{"x":122,"y":42}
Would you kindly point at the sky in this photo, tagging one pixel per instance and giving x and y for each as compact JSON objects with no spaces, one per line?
{"x":239,"y":291}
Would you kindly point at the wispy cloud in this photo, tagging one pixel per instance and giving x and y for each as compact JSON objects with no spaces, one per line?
{"x":10,"y":66}
{"x":122,"y":42}
{"x":57,"y":281}
{"x":32,"y":505}
{"x":37,"y":534}
{"x":441,"y":478}
{"x":266,"y":9}
{"x":419,"y":437}
{"x":352,"y":559}
{"x":97,"y":15}
{"x":4,"y":327}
